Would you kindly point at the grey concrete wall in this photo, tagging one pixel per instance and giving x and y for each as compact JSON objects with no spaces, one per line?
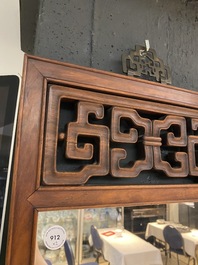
{"x":95,"y":33}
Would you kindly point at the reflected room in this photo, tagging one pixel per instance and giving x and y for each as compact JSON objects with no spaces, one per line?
{"x":114,"y":235}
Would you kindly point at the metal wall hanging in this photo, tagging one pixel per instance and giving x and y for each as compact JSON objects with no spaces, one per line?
{"x":144,"y":63}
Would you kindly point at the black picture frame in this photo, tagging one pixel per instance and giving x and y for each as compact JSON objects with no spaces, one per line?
{"x":9,"y":100}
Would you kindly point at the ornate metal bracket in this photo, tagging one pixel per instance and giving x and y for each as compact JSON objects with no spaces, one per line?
{"x":144,"y":63}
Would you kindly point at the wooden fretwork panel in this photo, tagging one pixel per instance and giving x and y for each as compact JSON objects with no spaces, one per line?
{"x":101,"y":135}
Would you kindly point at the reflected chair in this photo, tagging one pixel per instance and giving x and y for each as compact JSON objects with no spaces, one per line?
{"x":70,"y":255}
{"x":175,"y":242}
{"x":48,"y":262}
{"x":97,"y":244}
{"x":157,"y":243}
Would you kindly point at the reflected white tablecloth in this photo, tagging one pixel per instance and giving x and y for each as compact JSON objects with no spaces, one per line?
{"x":190,"y":238}
{"x":129,"y":249}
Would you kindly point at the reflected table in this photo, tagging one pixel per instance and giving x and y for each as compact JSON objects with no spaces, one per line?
{"x":128,"y":249}
{"x":190,"y":238}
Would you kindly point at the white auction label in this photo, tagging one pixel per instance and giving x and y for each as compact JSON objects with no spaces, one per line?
{"x":54,"y":237}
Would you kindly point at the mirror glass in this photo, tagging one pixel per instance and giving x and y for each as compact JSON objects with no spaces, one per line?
{"x":125,"y":233}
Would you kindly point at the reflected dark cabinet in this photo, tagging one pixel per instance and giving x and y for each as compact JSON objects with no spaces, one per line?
{"x":188,"y":213}
{"x":137,"y":218}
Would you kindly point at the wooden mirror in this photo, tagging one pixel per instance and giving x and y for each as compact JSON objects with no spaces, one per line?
{"x":88,"y":139}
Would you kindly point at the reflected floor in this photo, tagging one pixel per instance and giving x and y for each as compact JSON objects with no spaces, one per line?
{"x":171,"y":261}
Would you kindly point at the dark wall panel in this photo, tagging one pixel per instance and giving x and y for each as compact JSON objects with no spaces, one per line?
{"x":95,"y":33}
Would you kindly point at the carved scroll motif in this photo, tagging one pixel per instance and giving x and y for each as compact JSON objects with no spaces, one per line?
{"x":118,"y":154}
{"x":83,"y":128}
{"x":192,"y":142}
{"x":172,"y":140}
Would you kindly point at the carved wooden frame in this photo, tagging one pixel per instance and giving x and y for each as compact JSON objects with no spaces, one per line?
{"x":30,"y":195}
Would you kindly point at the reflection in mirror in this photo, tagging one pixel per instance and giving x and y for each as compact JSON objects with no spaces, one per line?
{"x":129,"y":233}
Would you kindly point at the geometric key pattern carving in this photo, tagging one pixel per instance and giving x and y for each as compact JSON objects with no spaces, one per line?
{"x":88,"y":136}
